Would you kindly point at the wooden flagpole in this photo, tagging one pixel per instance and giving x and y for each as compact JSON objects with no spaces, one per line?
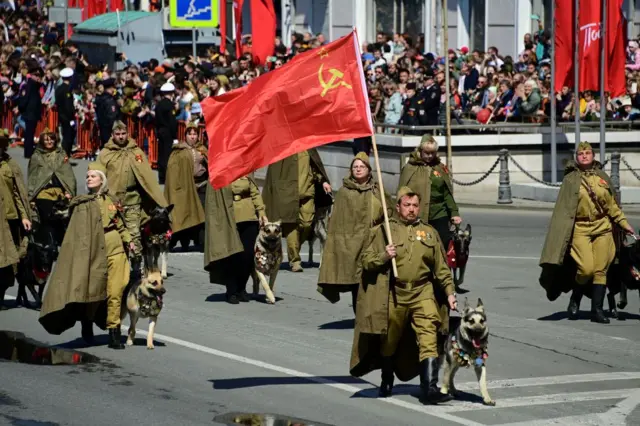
{"x":387,"y":227}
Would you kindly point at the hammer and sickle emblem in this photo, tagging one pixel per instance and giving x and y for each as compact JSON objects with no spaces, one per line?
{"x":334,"y":82}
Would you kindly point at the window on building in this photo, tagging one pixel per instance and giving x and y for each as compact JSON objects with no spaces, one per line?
{"x":399,"y":16}
{"x":478,"y":24}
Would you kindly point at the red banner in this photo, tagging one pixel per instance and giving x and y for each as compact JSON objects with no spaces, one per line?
{"x":263,"y":30}
{"x":237,"y":15}
{"x":317,"y":98}
{"x":223,"y":25}
{"x":589,"y":45}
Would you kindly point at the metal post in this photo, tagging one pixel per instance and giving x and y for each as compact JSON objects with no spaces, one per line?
{"x":504,"y":188}
{"x":615,"y":174}
{"x":554,"y":113}
{"x":438,"y":25}
{"x":603,"y":104}
{"x":193,"y":42}
{"x":66,"y":21}
{"x":576,"y":69}
{"x":447,"y":92}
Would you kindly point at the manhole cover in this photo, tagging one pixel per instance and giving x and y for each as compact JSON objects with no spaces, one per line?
{"x":17,"y":347}
{"x":255,"y":419}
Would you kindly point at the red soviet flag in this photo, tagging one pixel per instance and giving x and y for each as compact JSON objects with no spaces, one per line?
{"x":617,"y":43}
{"x":263,"y":30}
{"x":237,"y":15}
{"x":317,"y":98}
{"x":223,"y":26}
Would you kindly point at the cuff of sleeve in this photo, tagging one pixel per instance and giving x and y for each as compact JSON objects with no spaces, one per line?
{"x":623,"y":223}
{"x":449,"y":290}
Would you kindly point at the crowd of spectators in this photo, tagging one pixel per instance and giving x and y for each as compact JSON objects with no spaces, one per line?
{"x":405,"y":85}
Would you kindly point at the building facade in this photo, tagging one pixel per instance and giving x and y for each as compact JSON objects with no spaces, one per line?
{"x":477,"y":24}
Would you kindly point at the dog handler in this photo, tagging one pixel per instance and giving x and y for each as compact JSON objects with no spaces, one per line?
{"x":582,"y":224}
{"x":132,"y":182}
{"x":92,"y":267}
{"x":387,"y":304}
{"x":14,"y":220}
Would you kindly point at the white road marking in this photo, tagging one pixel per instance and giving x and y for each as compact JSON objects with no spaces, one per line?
{"x":552,"y":380}
{"x":582,"y":420}
{"x":618,"y":338}
{"x":320,"y":380}
{"x":527,"y":401}
{"x":619,"y":413}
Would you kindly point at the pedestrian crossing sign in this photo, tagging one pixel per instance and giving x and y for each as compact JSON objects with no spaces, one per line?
{"x":193,"y":13}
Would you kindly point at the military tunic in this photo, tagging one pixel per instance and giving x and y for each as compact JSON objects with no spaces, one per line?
{"x":247,"y":201}
{"x":116,"y":237}
{"x":421,"y":266}
{"x":592,"y":245}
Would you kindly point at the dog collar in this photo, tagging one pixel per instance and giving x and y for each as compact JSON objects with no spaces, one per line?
{"x":464,"y":359}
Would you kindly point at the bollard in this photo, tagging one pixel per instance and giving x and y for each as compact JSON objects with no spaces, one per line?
{"x":615,"y":174}
{"x":504,"y":189}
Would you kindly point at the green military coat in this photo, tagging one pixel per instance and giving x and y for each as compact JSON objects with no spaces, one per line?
{"x":351,"y":220}
{"x":8,"y":252}
{"x":180,"y":189}
{"x":280,"y":193}
{"x":221,"y":234}
{"x":7,"y":194}
{"x":78,"y":285}
{"x":436,"y":200}
{"x":44,"y":166}
{"x":372,"y":318}
{"x":558,"y":268}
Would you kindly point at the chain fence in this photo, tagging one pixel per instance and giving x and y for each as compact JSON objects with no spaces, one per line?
{"x":633,"y":172}
{"x":483,"y":177}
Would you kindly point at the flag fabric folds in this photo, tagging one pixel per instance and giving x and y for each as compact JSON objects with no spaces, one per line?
{"x":317,"y":98}
{"x":589,"y":42}
{"x":237,"y":15}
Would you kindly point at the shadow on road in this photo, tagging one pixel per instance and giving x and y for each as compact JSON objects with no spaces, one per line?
{"x":252,"y":382}
{"x":344,"y":324}
{"x":414,"y":391}
{"x":586,"y":316}
{"x":103,"y":340}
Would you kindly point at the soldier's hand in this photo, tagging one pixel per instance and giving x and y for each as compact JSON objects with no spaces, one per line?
{"x":453,"y":303}
{"x":132,"y":247}
{"x":629,"y":229}
{"x":390,"y":251}
{"x":26,"y":223}
{"x":456,"y":220}
{"x":327,"y":187}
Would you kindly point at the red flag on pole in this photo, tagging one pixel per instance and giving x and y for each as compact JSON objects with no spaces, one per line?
{"x":223,"y":25}
{"x":317,"y":98}
{"x":237,"y":15}
{"x":590,"y":18}
{"x":263,"y":30}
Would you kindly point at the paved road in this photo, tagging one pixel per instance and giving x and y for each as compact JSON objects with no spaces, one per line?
{"x":212,"y":358}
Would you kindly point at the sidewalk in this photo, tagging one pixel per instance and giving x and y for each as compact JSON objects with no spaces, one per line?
{"x":469,"y":200}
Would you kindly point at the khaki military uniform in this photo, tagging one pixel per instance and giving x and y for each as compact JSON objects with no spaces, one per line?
{"x":116,"y":236}
{"x":421,"y":266}
{"x":247,"y":201}
{"x":296,"y":233}
{"x":9,"y":191}
{"x":592,"y":245}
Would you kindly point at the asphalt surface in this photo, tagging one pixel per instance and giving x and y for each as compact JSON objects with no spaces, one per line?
{"x":292,"y":359}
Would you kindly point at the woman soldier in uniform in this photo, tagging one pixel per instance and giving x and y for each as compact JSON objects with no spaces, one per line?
{"x":358,"y":208}
{"x":231,"y":227}
{"x":50,"y":180}
{"x":93,"y":265}
{"x":15,"y":217}
{"x":581,"y":229}
{"x":186,"y":178}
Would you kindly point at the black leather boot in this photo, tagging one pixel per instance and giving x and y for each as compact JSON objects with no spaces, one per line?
{"x":597,"y":300}
{"x":574,"y":303}
{"x":114,"y":339}
{"x":429,"y":394}
{"x":87,"y":331}
{"x":386,"y":386}
{"x":2,"y":292}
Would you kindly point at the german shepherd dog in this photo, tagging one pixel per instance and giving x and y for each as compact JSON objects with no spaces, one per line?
{"x":319,"y":229}
{"x":467,"y":346}
{"x":143,"y":299}
{"x":156,"y":237}
{"x":267,"y":258}
{"x":457,"y":260}
{"x":36,"y":268}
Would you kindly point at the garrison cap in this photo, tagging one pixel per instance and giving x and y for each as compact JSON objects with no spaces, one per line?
{"x":97,"y":167}
{"x":405,"y":190}
{"x":584,"y":146}
{"x":119,"y":125}
{"x":362,"y":156}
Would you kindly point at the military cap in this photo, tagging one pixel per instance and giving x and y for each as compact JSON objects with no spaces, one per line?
{"x":109,"y":82}
{"x":119,"y":125}
{"x":97,"y":167}
{"x":428,"y":73}
{"x":411,"y":86}
{"x":46,"y":131}
{"x":584,"y":146}
{"x":192,"y":125}
{"x":403,"y":191}
{"x":66,"y":73}
{"x":362,"y":156}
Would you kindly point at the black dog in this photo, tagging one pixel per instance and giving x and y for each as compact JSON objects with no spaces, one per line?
{"x":34,"y":270}
{"x":458,"y":253}
{"x":156,"y":237}
{"x":624,"y":276}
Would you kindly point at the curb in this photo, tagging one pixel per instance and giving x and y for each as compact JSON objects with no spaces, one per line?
{"x":504,"y":206}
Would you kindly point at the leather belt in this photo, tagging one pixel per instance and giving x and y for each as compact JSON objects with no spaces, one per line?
{"x":590,"y":219}
{"x":411,"y":285}
{"x":239,"y":197}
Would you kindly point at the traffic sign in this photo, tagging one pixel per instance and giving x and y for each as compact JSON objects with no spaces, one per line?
{"x":193,"y":13}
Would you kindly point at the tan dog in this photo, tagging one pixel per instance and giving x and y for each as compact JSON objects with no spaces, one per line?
{"x":267,"y":258}
{"x":143,"y":299}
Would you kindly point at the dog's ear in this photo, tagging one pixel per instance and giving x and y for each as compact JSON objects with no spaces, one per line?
{"x":169,"y":208}
{"x":465,"y":307}
{"x":279,"y":223}
{"x":479,"y":305}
